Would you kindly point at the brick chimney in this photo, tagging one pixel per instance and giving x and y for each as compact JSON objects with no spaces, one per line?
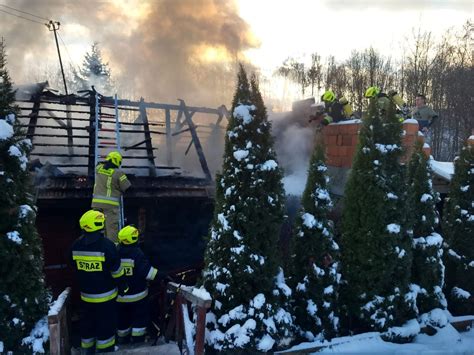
{"x":341,"y":141}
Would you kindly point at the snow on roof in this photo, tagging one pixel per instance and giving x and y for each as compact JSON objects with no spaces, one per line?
{"x":442,"y":168}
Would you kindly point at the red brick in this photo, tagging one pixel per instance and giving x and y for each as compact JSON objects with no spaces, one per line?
{"x":330,"y":139}
{"x":339,"y":140}
{"x":352,"y":128}
{"x":408,"y":140}
{"x":331,"y":129}
{"x":411,"y":128}
{"x":344,"y":151}
{"x":347,"y":140}
{"x":333,"y":161}
{"x":332,"y":150}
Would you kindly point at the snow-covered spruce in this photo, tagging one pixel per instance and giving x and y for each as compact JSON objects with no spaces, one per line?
{"x":427,"y":268}
{"x":250,"y":310}
{"x":315,"y":276}
{"x":458,"y":228}
{"x":23,"y":299}
{"x":376,"y":247}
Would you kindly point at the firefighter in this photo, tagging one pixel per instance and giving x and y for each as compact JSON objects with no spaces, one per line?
{"x":110,"y":184}
{"x":101,"y":278}
{"x":336,"y":109}
{"x":423,"y":113}
{"x":134,"y":313}
{"x":385,"y":100}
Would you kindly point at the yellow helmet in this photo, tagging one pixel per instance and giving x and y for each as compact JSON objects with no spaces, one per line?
{"x":372,"y":92}
{"x":128,"y":235}
{"x":92,"y":221}
{"x":328,"y":96}
{"x":114,"y":157}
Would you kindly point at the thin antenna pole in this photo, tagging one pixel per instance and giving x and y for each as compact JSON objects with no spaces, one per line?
{"x":54,"y":26}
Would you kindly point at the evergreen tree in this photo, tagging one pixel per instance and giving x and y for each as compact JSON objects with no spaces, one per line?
{"x":94,"y":72}
{"x":242,"y":270}
{"x":458,"y":228}
{"x":315,"y":257}
{"x":428,"y":267}
{"x":376,"y":248}
{"x":23,"y":298}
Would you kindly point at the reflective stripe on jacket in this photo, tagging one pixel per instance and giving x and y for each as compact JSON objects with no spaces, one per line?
{"x":137,"y":271}
{"x":98,"y":267}
{"x":110,"y":184}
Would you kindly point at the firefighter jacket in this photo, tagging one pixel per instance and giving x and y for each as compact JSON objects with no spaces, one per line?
{"x":110,"y":184}
{"x":425,"y":116}
{"x":98,"y":267}
{"x":335,"y":110}
{"x":137,"y":271}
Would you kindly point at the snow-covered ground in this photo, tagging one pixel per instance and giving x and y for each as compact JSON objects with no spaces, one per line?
{"x":447,"y":341}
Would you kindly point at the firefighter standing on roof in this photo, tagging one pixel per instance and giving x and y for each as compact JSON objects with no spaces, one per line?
{"x":110,"y":184}
{"x":134,"y":313}
{"x":101,"y":278}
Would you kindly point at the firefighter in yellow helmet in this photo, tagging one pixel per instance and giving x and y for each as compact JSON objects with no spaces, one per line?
{"x":385,"y":100}
{"x":110,"y":184}
{"x":134,"y":308}
{"x":335,"y":109}
{"x":101,"y":278}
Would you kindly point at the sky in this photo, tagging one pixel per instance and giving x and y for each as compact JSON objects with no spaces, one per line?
{"x":186,"y":43}
{"x":336,"y":27}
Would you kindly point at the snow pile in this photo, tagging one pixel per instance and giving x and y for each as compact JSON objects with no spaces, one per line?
{"x":38,"y":336}
{"x":243,"y":112}
{"x":15,"y":237}
{"x":460,"y":293}
{"x":241,"y":154}
{"x":436,"y":318}
{"x":407,"y":331}
{"x":6,"y":130}
{"x":14,"y":151}
{"x":393,"y":228}
{"x":201,"y":293}
{"x":58,"y":304}
{"x":443,"y":169}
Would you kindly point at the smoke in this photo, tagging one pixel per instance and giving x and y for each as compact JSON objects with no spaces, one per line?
{"x":294,"y":142}
{"x":161,"y":50}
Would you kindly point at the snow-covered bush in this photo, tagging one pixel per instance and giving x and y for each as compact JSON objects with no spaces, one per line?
{"x":315,"y":276}
{"x":250,"y":298}
{"x":375,"y":247}
{"x":23,"y":299}
{"x":428,"y":267}
{"x":458,"y":228}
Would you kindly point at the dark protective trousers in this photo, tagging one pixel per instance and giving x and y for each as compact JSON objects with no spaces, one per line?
{"x":134,"y":318}
{"x":98,"y":326}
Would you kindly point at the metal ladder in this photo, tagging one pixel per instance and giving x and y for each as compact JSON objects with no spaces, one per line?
{"x":113,"y":143}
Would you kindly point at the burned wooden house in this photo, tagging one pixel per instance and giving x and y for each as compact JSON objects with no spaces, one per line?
{"x":171,"y":199}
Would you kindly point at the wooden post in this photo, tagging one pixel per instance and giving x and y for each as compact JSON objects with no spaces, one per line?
{"x":197,"y":143}
{"x":202,"y":305}
{"x":92,"y":128}
{"x":58,"y":324}
{"x":200,"y":330}
{"x":34,"y":117}
{"x":148,"y":144}
{"x":169,"y":144}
